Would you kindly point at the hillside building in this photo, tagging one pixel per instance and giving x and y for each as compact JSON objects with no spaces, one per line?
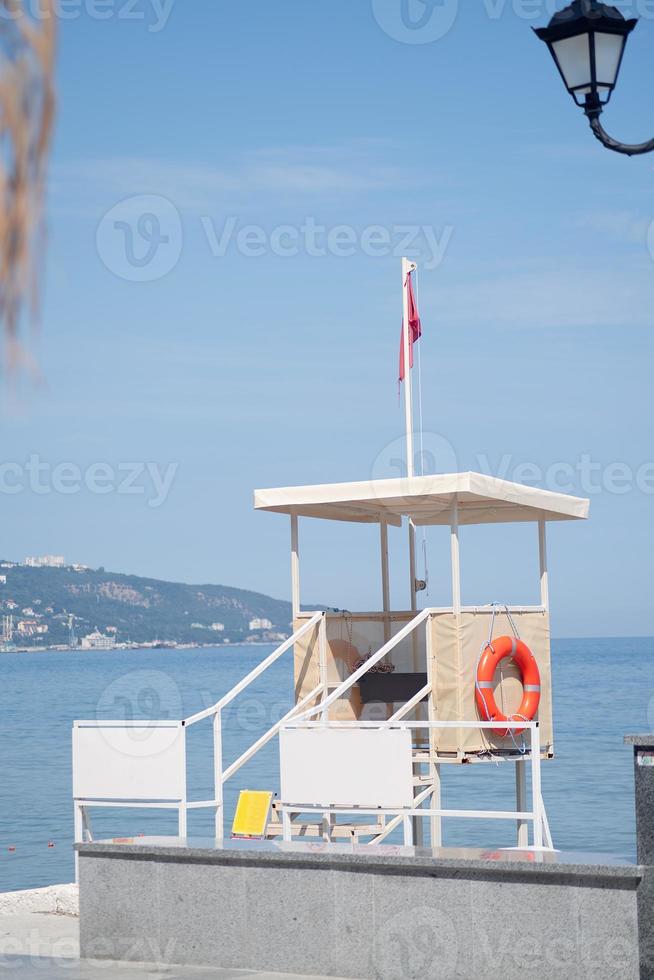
{"x":46,"y":561}
{"x":30,"y":627}
{"x":260,"y":624}
{"x":97,"y":641}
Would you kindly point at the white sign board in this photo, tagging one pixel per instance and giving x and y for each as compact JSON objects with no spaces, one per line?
{"x":364,"y":767}
{"x":125,"y":763}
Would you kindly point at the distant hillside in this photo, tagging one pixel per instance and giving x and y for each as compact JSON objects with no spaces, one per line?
{"x":137,"y":609}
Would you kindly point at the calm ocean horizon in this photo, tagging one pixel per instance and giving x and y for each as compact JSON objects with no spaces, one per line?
{"x":603,"y":689}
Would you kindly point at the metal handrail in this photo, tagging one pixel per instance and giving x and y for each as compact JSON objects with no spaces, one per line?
{"x":215,"y":711}
{"x":402,"y":723}
{"x":259,"y":744}
{"x":413,"y":703}
{"x":254,"y":674}
{"x":294,"y":715}
{"x":222,"y":775}
{"x":396,"y":821}
{"x":370,"y":662}
{"x":127,"y":723}
{"x":295,"y":712}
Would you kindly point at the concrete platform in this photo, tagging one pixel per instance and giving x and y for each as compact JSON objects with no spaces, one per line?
{"x":379,"y":913}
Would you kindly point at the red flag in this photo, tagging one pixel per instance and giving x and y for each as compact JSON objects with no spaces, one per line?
{"x":415,"y":329}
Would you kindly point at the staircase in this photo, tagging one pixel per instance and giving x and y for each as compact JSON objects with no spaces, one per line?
{"x":353,"y":831}
{"x":111,"y":782}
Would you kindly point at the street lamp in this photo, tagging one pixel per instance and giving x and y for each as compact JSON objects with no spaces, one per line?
{"x":587,"y":41}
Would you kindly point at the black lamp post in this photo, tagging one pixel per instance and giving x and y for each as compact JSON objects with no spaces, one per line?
{"x":587,"y":41}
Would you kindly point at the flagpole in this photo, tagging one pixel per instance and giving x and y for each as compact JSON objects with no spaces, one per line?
{"x":407,"y":268}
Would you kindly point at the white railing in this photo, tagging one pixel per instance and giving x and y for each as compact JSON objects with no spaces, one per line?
{"x":119,"y":779}
{"x":111,"y":770}
{"x":542,"y":839}
{"x":371,"y":662}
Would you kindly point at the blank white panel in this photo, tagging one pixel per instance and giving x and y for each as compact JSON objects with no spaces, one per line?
{"x":346,"y":768}
{"x":145,"y":763}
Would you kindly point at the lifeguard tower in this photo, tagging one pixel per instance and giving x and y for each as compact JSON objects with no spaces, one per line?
{"x":417,"y":689}
{"x":383,"y":698}
{"x":395,"y":694}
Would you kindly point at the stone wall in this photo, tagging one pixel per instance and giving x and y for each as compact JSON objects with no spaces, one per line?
{"x":387,"y":913}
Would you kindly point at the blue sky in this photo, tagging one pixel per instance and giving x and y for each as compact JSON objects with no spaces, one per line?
{"x":242,"y":127}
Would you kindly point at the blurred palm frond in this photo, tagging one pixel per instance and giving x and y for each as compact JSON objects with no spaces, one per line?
{"x":27,"y":103}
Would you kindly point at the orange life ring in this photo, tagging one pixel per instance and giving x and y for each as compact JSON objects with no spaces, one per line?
{"x":498,"y":650}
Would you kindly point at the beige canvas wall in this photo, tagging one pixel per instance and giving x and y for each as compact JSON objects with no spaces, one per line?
{"x":456,"y":647}
{"x":348,"y":638}
{"x":457,"y":643}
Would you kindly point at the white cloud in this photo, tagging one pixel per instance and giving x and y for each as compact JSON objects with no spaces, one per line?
{"x":292,"y":173}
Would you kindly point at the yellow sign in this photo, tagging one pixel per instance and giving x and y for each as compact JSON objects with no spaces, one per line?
{"x":252,"y":812}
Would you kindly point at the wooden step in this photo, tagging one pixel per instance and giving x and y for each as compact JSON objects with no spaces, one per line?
{"x":339,"y":831}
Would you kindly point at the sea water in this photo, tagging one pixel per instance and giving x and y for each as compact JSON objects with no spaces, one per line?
{"x":602,"y":689}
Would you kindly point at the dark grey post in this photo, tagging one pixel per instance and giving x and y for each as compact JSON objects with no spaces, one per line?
{"x":644,"y":780}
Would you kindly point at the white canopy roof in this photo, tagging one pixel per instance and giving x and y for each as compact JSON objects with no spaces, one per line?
{"x":427,"y":499}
